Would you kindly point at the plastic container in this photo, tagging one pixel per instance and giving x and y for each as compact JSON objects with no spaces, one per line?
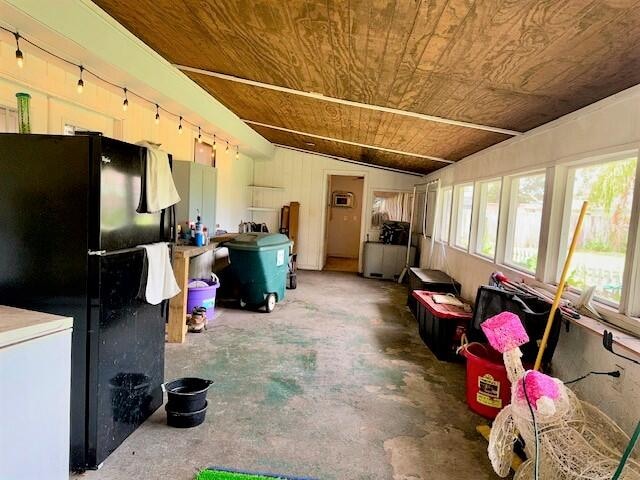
{"x":533,"y":313}
{"x":186,"y":419}
{"x":430,"y":280}
{"x":441,"y":326}
{"x":488,"y":387}
{"x":260,"y":262}
{"x":187,"y":395}
{"x":203,"y":297}
{"x":24,"y":112}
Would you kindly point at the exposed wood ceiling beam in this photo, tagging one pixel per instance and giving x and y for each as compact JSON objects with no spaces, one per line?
{"x":363,"y":145}
{"x":341,"y":101}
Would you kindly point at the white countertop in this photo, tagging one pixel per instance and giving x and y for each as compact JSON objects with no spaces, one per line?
{"x":18,"y":325}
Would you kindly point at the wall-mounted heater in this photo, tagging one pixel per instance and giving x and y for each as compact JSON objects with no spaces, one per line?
{"x":342,"y":199}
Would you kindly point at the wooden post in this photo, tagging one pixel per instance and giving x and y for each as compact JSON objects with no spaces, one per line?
{"x":294,"y":212}
{"x":177,"y":327}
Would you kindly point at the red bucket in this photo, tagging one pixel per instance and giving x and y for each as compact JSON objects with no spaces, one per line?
{"x":488,"y":387}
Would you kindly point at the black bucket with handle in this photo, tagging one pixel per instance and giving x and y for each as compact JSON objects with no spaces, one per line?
{"x":186,"y":401}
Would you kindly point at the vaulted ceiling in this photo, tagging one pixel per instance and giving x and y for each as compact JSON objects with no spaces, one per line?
{"x":504,"y":64}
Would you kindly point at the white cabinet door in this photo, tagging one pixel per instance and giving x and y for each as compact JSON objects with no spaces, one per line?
{"x":35,"y":384}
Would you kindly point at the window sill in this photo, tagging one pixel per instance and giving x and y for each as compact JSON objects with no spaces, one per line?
{"x":628,"y":341}
{"x":520,"y":270}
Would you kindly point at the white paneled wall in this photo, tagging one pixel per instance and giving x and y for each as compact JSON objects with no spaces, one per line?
{"x":608,"y":126}
{"x":55,"y":102}
{"x":303,"y":178}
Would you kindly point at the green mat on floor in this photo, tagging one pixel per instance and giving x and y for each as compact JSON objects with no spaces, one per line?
{"x":222,"y":475}
{"x":229,"y":474}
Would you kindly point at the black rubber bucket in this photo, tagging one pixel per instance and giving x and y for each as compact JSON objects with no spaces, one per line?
{"x":187,"y":395}
{"x":186,"y":419}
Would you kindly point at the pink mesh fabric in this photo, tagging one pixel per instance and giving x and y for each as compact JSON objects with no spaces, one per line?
{"x":538,"y":385}
{"x":505,"y":331}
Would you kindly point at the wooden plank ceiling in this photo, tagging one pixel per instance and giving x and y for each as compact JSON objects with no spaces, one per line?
{"x":513,"y":64}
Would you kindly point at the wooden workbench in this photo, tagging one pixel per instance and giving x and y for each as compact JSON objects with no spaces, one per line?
{"x":177,"y":325}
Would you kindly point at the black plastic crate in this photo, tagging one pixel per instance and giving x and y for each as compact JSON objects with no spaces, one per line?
{"x":533,"y":313}
{"x":432,"y":281}
{"x":440,"y":326}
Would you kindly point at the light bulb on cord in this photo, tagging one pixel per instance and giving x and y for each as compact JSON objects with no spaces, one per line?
{"x":237,"y":152}
{"x":199,"y":135}
{"x":19,"y":56}
{"x":125,"y":103}
{"x":227,"y":149}
{"x":80,"y":86}
{"x":157,"y":114}
{"x":180,"y":126}
{"x":214,"y":143}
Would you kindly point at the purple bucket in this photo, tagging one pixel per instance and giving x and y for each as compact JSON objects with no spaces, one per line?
{"x":202,"y":297}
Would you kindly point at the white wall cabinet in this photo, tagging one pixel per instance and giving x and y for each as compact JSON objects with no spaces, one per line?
{"x":196,"y":184}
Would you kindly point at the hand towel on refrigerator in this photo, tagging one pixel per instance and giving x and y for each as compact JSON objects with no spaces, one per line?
{"x":158,"y":189}
{"x":158,"y":282}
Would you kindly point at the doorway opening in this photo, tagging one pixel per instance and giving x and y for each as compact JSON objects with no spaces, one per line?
{"x":344,"y":223}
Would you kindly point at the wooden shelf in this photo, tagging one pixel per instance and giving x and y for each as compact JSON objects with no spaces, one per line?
{"x":262,"y":209}
{"x":266,"y":187}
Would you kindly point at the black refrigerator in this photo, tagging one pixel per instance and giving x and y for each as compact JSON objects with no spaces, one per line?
{"x":69,"y":232}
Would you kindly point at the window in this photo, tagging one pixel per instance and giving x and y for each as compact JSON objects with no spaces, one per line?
{"x":445,"y":214}
{"x":600,"y":256}
{"x":429,"y":217}
{"x":525,"y":219}
{"x":464,"y":207}
{"x":488,"y":211}
{"x":8,"y":120}
{"x":203,"y":153}
{"x":388,"y":206}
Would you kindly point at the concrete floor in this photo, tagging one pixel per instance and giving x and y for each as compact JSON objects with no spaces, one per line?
{"x":334,"y":384}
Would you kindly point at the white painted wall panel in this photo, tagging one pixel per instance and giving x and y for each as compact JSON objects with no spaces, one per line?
{"x":303,"y":176}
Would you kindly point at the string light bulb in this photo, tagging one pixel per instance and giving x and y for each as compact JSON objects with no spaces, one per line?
{"x":19,"y":56}
{"x":237,"y":152}
{"x":80,"y":85}
{"x":125,"y":102}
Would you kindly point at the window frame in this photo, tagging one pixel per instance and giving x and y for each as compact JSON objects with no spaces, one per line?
{"x":9,"y":113}
{"x":479,"y":218}
{"x":554,"y":214}
{"x":631,"y":272}
{"x":456,"y":209}
{"x":442,"y":231}
{"x":509,"y":221}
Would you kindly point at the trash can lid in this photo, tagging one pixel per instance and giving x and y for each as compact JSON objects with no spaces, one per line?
{"x":258,"y":240}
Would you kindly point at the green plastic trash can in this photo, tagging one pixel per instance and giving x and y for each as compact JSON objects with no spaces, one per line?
{"x":259,"y":262}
